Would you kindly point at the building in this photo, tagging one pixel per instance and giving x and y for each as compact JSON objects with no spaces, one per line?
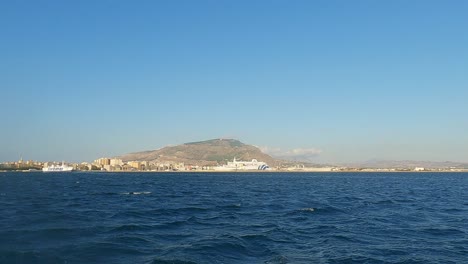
{"x":101,"y":162}
{"x":134,"y":164}
{"x":116,"y":162}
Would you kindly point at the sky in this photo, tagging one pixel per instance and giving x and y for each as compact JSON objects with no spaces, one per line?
{"x":336,"y":81}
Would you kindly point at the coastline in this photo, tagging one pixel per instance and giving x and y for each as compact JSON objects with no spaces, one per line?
{"x":252,"y":171}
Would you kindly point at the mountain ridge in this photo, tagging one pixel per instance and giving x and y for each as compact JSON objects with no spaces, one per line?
{"x":394,"y":164}
{"x":204,"y":153}
{"x":219,"y":151}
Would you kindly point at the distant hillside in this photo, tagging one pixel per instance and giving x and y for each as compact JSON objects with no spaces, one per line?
{"x":210,"y":152}
{"x":395,"y":164}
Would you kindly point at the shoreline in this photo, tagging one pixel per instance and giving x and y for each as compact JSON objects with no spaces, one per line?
{"x":249,"y":171}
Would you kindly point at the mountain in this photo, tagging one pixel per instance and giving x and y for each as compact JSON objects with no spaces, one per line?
{"x":395,"y":164}
{"x":209,"y":152}
{"x":220,"y":151}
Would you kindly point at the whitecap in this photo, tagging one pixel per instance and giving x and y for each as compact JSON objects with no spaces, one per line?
{"x":135,"y":193}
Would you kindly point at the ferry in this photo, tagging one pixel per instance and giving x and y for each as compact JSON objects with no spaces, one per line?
{"x":243,"y":165}
{"x":57,"y":168}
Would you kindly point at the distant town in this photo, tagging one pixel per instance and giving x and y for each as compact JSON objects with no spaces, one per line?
{"x":221,"y":155}
{"x":118,"y":165}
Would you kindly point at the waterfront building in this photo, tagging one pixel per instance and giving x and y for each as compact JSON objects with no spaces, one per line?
{"x":116,"y":162}
{"x":134,"y":164}
{"x":101,"y":162}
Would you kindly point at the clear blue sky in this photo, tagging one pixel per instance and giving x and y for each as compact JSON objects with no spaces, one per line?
{"x":354,"y":80}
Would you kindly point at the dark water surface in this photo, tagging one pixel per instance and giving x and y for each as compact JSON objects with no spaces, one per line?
{"x":234,"y":218}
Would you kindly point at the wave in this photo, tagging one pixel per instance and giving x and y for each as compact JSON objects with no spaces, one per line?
{"x":310,"y":209}
{"x":234,"y":206}
{"x":442,"y":231}
{"x":354,"y":258}
{"x":171,"y":261}
{"x":131,"y":228}
{"x":29,"y":257}
{"x":278,"y":260}
{"x":315,"y":210}
{"x":105,"y":248}
{"x":383,"y":202}
{"x":177,"y":223}
{"x":135,"y":193}
{"x":184,"y":220}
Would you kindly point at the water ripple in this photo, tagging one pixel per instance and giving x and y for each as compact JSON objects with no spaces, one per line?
{"x":272,"y":218}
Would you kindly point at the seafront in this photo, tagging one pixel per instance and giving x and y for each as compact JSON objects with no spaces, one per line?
{"x":117,"y":165}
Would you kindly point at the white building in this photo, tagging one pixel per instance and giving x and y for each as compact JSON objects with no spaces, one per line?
{"x":116,"y":162}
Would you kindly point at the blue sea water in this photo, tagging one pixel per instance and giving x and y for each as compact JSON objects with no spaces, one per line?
{"x":233,"y":218}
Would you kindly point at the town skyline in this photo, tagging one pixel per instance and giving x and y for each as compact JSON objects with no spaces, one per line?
{"x":333,"y":81}
{"x":294,"y":156}
{"x":222,"y":155}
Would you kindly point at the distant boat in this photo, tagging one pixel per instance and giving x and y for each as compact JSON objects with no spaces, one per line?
{"x":57,"y":168}
{"x":236,"y":165}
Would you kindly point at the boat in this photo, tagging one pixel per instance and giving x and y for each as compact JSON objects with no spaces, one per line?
{"x":236,"y":165}
{"x":57,"y":168}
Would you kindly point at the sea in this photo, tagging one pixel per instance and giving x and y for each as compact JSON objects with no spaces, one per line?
{"x":180,"y":218}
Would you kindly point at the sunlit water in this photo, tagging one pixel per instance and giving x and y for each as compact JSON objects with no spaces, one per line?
{"x":234,"y":218}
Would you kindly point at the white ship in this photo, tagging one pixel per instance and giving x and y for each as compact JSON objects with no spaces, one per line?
{"x":243,"y":165}
{"x":57,"y":168}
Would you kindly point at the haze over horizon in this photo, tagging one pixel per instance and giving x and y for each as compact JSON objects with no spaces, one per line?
{"x":338,"y":81}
